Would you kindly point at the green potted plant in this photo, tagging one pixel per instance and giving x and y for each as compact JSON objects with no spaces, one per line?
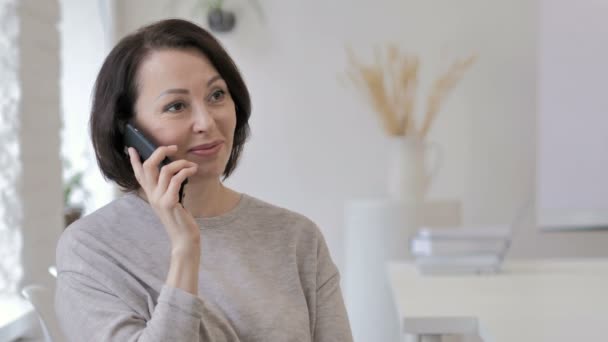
{"x":74,"y":195}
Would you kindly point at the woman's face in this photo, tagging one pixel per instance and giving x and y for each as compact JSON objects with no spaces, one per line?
{"x":184,"y":101}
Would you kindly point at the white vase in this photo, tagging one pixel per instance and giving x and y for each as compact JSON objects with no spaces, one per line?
{"x":411,"y":169}
{"x":376,"y":231}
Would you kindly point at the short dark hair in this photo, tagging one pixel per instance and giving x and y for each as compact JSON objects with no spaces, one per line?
{"x":115,"y":92}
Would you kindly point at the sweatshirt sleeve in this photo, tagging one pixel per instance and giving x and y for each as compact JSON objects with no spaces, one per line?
{"x":88,"y":309}
{"x":331,"y":323}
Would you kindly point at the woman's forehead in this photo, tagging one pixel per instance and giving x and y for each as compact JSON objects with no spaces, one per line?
{"x":173,"y":68}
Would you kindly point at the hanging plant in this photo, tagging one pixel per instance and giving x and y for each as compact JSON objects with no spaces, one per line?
{"x":218,"y":18}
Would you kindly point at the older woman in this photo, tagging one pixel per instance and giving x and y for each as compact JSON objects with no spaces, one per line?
{"x":217,"y":266}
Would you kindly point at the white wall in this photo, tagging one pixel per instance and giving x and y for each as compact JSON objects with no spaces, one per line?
{"x":573,"y":143}
{"x":316,"y":144}
{"x":85,"y":41}
{"x":40,"y":183}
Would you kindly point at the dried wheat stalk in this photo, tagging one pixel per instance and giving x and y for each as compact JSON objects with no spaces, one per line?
{"x":441,"y":88}
{"x":390,"y":85}
{"x":370,"y":79}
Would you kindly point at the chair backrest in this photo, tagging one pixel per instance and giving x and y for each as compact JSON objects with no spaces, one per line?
{"x":53,"y":271}
{"x":43,"y":301}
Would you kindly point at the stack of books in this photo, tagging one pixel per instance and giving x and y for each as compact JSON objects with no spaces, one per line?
{"x":460,"y":250}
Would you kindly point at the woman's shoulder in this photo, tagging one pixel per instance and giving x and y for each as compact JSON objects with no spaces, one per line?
{"x":106,"y":223}
{"x":294,"y":227}
{"x":274,"y":215}
{"x":117,"y":211}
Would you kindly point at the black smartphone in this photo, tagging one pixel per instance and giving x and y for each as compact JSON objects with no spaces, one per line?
{"x":144,"y":147}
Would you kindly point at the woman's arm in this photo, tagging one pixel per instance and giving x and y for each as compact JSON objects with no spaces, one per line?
{"x":97,"y":297}
{"x":88,"y":312}
{"x":331,"y":320}
{"x":98,"y":300}
{"x":161,"y":188}
{"x":183,"y":269}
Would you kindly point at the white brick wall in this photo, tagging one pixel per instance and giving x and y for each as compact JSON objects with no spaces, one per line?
{"x":10,"y":207}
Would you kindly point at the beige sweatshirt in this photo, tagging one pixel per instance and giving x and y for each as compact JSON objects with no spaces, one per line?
{"x":266,"y":275}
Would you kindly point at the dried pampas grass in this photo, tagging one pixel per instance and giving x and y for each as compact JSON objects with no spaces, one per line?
{"x":390,"y":86}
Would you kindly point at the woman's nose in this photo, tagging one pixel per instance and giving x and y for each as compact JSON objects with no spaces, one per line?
{"x":203,"y":120}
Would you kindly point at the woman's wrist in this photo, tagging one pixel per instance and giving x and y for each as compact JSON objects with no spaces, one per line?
{"x":186,"y":250}
{"x":184,"y":268}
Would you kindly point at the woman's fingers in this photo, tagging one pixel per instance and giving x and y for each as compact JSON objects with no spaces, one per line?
{"x":168,"y":171}
{"x":151,"y":165}
{"x":136,"y":164}
{"x":172,"y":193}
{"x":162,"y":191}
{"x":161,"y":186}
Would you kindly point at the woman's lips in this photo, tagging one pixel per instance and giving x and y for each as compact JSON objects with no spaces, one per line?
{"x":207,"y":149}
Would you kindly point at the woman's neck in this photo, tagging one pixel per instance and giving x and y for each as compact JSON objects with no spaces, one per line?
{"x":206,"y":197}
{"x":209,"y":197}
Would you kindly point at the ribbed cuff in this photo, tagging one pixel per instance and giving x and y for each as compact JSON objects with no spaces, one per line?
{"x":181,"y":300}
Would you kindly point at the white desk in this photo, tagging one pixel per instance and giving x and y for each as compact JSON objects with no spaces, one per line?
{"x":530,"y":301}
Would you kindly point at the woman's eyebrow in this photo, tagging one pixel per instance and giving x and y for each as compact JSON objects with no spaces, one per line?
{"x":185,"y":91}
{"x":173,"y":91}
{"x":213,"y":79}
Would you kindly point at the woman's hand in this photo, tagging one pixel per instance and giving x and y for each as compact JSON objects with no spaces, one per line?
{"x":161,"y":188}
{"x":162,"y":191}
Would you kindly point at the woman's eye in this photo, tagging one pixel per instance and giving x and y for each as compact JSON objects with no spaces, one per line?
{"x":217,"y":95}
{"x":175,"y":107}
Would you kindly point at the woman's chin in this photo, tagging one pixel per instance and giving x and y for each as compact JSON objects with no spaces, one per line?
{"x":205,"y":174}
